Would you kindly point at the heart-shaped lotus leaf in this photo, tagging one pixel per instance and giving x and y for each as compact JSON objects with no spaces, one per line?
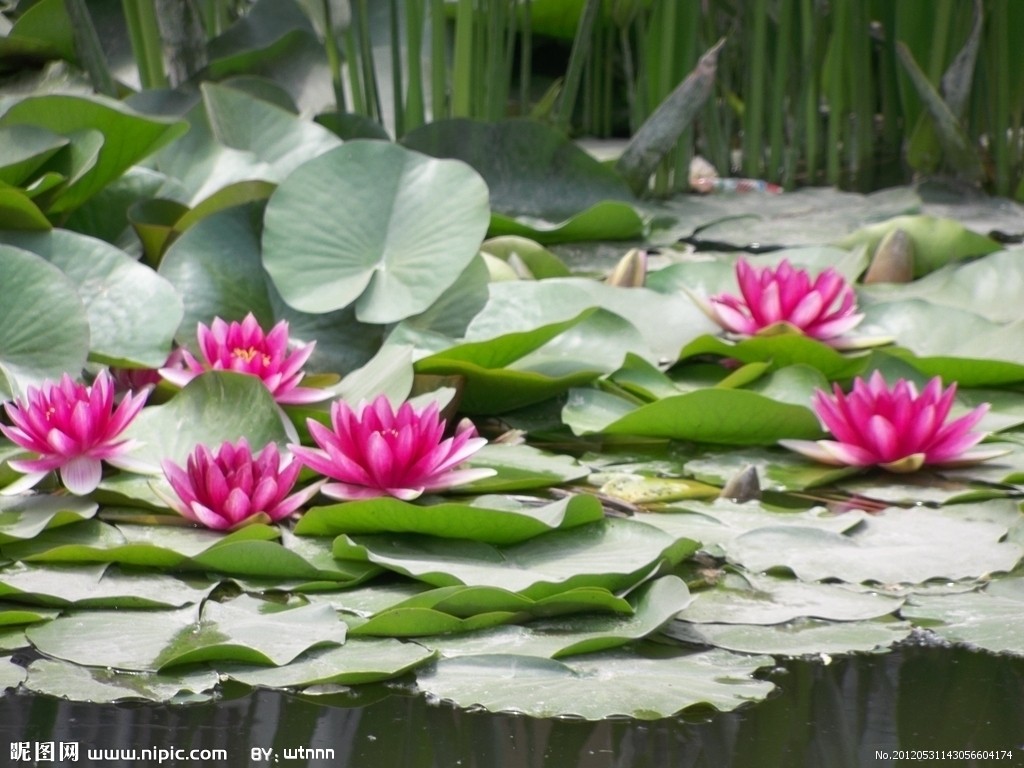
{"x":23,"y":149}
{"x":404,"y":226}
{"x":598,"y":686}
{"x":359,"y":660}
{"x":44,"y":331}
{"x":897,"y":546}
{"x":133,"y":312}
{"x":780,"y":350}
{"x":800,"y":637}
{"x":491,"y":519}
{"x":104,"y":686}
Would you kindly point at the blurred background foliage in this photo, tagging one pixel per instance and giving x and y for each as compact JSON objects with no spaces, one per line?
{"x":853,"y":93}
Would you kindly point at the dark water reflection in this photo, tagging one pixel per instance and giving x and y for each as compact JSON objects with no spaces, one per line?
{"x":824,"y":715}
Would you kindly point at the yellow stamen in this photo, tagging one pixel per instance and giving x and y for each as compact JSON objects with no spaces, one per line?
{"x":250,"y":354}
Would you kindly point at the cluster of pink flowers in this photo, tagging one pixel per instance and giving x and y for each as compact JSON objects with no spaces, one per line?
{"x":373,"y":450}
{"x":377,"y":450}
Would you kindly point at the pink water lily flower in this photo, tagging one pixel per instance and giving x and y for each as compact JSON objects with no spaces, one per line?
{"x":896,"y":429}
{"x":374,"y":451}
{"x":73,"y":428}
{"x":784,"y":296}
{"x":245,"y":348}
{"x":232,"y":488}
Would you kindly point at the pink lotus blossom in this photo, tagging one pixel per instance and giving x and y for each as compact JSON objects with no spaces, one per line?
{"x":896,"y":428}
{"x":243,"y":347}
{"x":784,"y":296}
{"x":232,"y":488}
{"x":73,"y":428}
{"x":376,"y":451}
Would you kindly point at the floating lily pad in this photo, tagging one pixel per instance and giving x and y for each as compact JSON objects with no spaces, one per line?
{"x":777,"y":470}
{"x":36,"y":345}
{"x":242,"y":630}
{"x":133,"y":312}
{"x":992,"y":619}
{"x":801,"y":637}
{"x":712,"y":415}
{"x":104,"y":686}
{"x":11,"y":675}
{"x":392,"y":253}
{"x":752,"y":599}
{"x":612,"y":554}
{"x":899,"y":545}
{"x":653,"y":604}
{"x":490,"y":519}
{"x":214,"y":407}
{"x":521,"y":468}
{"x":94,"y":586}
{"x":24,"y":517}
{"x":716,"y":523}
{"x":599,"y":685}
{"x":359,"y":660}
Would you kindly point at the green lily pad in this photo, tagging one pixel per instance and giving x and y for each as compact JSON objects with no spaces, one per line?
{"x":607,"y":220}
{"x":521,"y":368}
{"x":521,"y":468}
{"x":104,"y":686}
{"x":752,"y":599}
{"x":801,"y":637}
{"x":11,"y":675}
{"x":780,"y":350}
{"x":43,"y":327}
{"x":96,"y":586}
{"x":600,"y":685}
{"x":359,"y":660}
{"x":12,"y":615}
{"x":712,"y":415}
{"x":992,"y":619}
{"x":493,"y":520}
{"x":777,"y":469}
{"x":133,"y":312}
{"x":407,"y":228}
{"x":242,"y":630}
{"x":953,"y":343}
{"x":899,"y":545}
{"x":613,"y":554}
{"x":653,"y":604}
{"x":936,"y":241}
{"x":131,"y":136}
{"x":214,"y":407}
{"x":24,"y":517}
{"x":715,"y":523}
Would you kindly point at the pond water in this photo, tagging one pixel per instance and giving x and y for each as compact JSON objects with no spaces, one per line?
{"x":853,"y":711}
